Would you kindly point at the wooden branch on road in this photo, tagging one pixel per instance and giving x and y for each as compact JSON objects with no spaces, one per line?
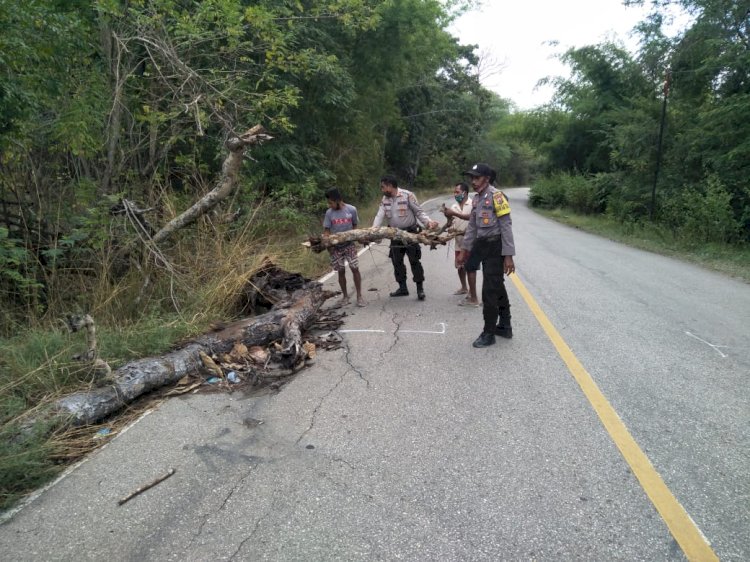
{"x":367,"y":235}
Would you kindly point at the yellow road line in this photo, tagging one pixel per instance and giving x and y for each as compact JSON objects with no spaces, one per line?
{"x":683,"y":528}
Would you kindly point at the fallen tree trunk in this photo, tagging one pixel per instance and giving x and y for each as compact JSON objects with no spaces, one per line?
{"x":367,"y":235}
{"x":285,"y":322}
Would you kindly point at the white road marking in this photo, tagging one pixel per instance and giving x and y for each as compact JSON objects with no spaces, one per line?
{"x":442,"y":331}
{"x":716,"y":347}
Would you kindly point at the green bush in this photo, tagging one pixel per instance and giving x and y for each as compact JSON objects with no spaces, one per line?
{"x":701,"y":214}
{"x":19,"y":288}
{"x":548,"y":192}
{"x":574,"y":191}
{"x":624,"y":201}
{"x":581,"y":194}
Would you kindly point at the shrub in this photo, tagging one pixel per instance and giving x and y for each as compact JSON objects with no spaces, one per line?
{"x":581,"y":194}
{"x":567,"y":190}
{"x":548,"y":192}
{"x":704,"y":215}
{"x":625,"y":201}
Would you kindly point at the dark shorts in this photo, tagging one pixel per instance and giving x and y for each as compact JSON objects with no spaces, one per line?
{"x":473,"y":263}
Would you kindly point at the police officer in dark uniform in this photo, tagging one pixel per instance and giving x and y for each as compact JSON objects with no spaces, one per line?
{"x":489,"y":237}
{"x":401,"y":209}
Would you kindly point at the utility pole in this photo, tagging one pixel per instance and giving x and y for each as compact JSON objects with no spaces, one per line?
{"x":667,"y":78}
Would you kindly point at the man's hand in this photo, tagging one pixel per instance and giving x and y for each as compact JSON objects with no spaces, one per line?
{"x":432,"y":225}
{"x":508,"y":265}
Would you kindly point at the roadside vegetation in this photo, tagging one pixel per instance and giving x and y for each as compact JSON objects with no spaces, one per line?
{"x":730,"y":260}
{"x":702,"y":230}
{"x":114,"y":115}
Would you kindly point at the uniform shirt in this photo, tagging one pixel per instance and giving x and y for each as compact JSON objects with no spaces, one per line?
{"x":459,"y":224}
{"x":341,"y":220}
{"x":401,"y":211}
{"x":484,"y":222}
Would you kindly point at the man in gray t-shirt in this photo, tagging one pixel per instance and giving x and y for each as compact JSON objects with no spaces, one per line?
{"x":341,"y":217}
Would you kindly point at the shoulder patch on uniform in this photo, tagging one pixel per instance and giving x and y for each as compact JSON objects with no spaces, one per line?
{"x":500,"y":202}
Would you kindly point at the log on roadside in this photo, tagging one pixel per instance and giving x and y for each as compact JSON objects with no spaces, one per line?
{"x":367,"y":235}
{"x":285,"y":322}
{"x":269,"y":286}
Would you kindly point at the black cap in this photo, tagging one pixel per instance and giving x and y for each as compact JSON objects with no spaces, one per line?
{"x":479,"y":170}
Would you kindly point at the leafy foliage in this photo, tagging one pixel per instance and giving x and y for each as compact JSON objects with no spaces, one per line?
{"x":105,"y":100}
{"x":661,"y":137}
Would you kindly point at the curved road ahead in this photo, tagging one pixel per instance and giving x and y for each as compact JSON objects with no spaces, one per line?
{"x":614,"y":426}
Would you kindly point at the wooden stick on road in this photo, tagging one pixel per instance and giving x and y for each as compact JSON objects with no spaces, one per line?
{"x":145,"y":487}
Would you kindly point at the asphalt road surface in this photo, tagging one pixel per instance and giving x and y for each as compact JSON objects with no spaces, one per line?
{"x":615,"y":425}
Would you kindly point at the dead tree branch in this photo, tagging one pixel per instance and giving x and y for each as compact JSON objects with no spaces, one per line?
{"x":75,"y":323}
{"x":225,"y":186}
{"x":145,"y":487}
{"x":367,"y":235}
{"x":285,"y":322}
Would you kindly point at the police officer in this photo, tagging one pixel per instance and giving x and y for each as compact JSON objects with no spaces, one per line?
{"x":401,"y":209}
{"x":489,"y":236}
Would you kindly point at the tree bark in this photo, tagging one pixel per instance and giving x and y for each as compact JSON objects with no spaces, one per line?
{"x":285,"y":322}
{"x":114,"y":122}
{"x":225,"y":186}
{"x":367,"y":235}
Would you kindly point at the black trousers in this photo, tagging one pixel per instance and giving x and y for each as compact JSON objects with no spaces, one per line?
{"x":495,"y":302}
{"x":411,"y":251}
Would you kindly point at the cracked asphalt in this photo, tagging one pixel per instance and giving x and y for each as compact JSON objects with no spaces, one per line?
{"x":408,"y":444}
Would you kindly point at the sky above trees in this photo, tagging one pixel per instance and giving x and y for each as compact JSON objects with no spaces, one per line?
{"x":519,"y":41}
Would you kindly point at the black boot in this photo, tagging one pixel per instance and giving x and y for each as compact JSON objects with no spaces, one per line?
{"x":402,"y":291}
{"x":504,"y":330}
{"x":420,"y":292}
{"x":485,"y":339}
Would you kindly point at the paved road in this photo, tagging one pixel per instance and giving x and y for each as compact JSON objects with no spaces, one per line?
{"x":411,"y":445}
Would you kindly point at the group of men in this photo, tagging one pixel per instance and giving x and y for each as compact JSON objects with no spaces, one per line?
{"x":487,"y":242}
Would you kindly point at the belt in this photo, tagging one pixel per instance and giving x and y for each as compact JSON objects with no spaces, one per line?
{"x":490,"y":240}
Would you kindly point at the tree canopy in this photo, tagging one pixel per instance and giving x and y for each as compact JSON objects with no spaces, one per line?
{"x":107,"y":99}
{"x":671,"y":121}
